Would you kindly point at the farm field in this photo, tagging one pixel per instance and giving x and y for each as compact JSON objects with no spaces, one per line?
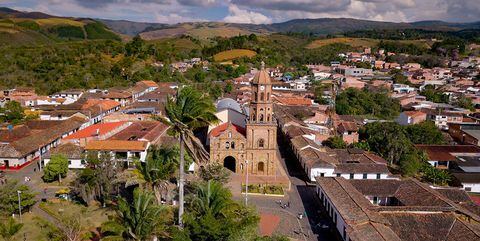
{"x":361,"y":42}
{"x":233,"y":54}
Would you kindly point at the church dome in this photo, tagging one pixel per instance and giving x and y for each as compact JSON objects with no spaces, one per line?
{"x":228,"y":103}
{"x":262,"y":77}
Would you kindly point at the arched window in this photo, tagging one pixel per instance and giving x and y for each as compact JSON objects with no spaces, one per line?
{"x":227,"y":145}
{"x":261,"y":167}
{"x":232,"y":145}
{"x":261,"y":143}
{"x":268,"y":96}
{"x":260,"y":118}
{"x":268,"y":117}
{"x":255,"y":96}
{"x":262,"y":96}
{"x":243,"y":146}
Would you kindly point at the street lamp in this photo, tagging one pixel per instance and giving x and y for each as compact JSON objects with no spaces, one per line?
{"x":246,"y":184}
{"x":19,"y":204}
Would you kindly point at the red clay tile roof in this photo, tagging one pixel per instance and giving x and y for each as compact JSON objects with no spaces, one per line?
{"x":347,"y":126}
{"x":103,"y":128}
{"x":104,"y":104}
{"x":414,"y":113}
{"x":221,"y":128}
{"x":294,"y":101}
{"x":116,"y":145}
{"x":148,"y":83}
{"x":444,"y":152}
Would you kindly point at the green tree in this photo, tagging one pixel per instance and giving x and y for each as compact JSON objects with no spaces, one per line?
{"x":158,"y":169}
{"x":140,"y":219}
{"x":9,"y":198}
{"x":186,"y":112}
{"x":56,"y":168}
{"x":228,"y":87}
{"x":335,"y":142}
{"x":436,"y":176}
{"x":9,"y":228}
{"x":387,"y":139}
{"x":215,"y":172}
{"x":98,"y":180}
{"x":12,"y":112}
{"x":424,"y":133}
{"x":362,"y":102}
{"x":213,"y":215}
{"x":465,"y":102}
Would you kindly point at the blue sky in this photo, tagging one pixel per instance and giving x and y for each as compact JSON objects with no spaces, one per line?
{"x":255,"y":11}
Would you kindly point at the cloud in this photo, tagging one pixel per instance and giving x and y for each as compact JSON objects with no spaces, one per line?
{"x":237,"y":15}
{"x":296,"y":5}
{"x":256,"y":11}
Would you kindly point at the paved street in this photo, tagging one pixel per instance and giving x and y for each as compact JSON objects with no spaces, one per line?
{"x":302,"y":200}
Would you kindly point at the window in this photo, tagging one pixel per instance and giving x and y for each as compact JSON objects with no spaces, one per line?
{"x":82,"y":162}
{"x":69,"y":162}
{"x":375,"y":200}
{"x":268,"y":117}
{"x":262,"y":96}
{"x":268,"y":96}
{"x":468,"y":189}
{"x":229,"y":134}
{"x":261,"y":143}
{"x":260,"y":118}
{"x":378,"y":175}
{"x":232,"y":145}
{"x":365,"y":175}
{"x":339,"y":174}
{"x":261,"y":167}
{"x":351,"y":175}
{"x":322,"y":174}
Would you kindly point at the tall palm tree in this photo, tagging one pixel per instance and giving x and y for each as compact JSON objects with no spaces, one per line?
{"x":140,"y":220}
{"x":9,"y":229}
{"x":186,"y":112}
{"x":158,"y":169}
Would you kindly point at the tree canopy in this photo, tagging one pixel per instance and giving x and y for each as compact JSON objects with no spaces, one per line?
{"x":362,"y":102}
{"x":56,"y":168}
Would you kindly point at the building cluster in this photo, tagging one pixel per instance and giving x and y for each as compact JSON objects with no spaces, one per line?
{"x":115,"y":121}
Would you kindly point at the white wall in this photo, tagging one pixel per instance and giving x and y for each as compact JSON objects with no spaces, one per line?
{"x":474,"y":187}
{"x":73,"y":163}
{"x":340,"y":222}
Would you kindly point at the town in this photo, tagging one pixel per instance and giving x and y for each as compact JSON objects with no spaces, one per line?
{"x":364,"y":141}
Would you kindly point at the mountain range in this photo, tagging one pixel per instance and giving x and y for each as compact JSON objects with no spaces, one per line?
{"x":205,"y":30}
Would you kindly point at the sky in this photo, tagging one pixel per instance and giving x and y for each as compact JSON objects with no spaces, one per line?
{"x":255,"y":11}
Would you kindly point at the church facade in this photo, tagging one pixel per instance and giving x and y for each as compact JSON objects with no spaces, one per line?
{"x":250,"y":147}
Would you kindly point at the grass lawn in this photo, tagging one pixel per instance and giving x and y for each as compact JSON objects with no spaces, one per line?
{"x":92,"y":216}
{"x":32,"y":228}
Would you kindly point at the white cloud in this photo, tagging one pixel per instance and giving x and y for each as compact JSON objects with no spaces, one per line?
{"x":237,"y":15}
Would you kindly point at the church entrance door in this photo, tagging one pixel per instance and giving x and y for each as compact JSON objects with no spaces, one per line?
{"x":230,"y":163}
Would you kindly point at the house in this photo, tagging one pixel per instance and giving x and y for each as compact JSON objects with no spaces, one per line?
{"x":465,"y":133}
{"x":443,"y":118}
{"x":99,"y":131}
{"x":350,"y":82}
{"x":350,"y":164}
{"x":293,"y":101}
{"x":36,"y":141}
{"x":121,"y":150}
{"x":348,"y":131}
{"x":441,"y":156}
{"x":396,"y":210}
{"x":319,"y":118}
{"x":75,"y":155}
{"x":411,"y":117}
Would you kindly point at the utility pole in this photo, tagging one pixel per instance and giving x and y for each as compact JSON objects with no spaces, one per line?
{"x":19,"y":205}
{"x":246,"y":184}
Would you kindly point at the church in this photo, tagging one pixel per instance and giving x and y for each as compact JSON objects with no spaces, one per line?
{"x":246,"y":138}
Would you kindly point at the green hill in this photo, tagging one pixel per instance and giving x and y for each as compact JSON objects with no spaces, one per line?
{"x":23,"y":28}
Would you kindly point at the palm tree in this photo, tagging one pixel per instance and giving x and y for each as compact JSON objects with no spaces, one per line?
{"x":9,"y":229}
{"x":211,"y":199}
{"x":158,"y":169}
{"x":187,"y":111}
{"x":140,"y":220}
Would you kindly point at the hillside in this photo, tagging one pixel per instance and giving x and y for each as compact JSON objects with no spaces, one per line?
{"x":30,"y":28}
{"x":321,"y":26}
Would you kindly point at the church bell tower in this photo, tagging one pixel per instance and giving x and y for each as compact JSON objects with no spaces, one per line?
{"x":261,"y":127}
